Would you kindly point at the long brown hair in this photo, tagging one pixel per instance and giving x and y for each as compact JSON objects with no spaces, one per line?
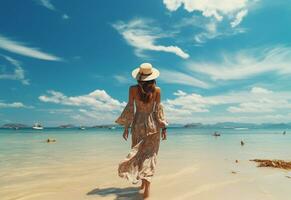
{"x":146,"y":90}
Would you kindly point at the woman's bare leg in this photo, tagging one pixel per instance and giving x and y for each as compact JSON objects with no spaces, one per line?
{"x":142,"y":184}
{"x":147,"y":189}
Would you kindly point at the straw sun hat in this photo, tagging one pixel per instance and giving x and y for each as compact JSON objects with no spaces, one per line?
{"x":145,"y":72}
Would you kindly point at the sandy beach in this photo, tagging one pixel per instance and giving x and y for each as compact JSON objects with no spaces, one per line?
{"x":82,"y":165}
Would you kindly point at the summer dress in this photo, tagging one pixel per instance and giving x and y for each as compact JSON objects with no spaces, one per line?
{"x":145,"y":120}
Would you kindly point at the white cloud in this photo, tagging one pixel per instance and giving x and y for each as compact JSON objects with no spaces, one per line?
{"x":97,"y":99}
{"x":13,"y":105}
{"x":21,"y":49}
{"x":239,"y":17}
{"x":65,"y":16}
{"x":190,"y":103}
{"x":176,"y":77}
{"x":47,"y":4}
{"x":255,"y":105}
{"x":87,"y":116}
{"x":212,"y":31}
{"x":18,"y":73}
{"x":205,"y":29}
{"x":212,"y":19}
{"x":122,"y":79}
{"x":259,"y":90}
{"x":143,"y":35}
{"x":180,"y":93}
{"x":96,"y":107}
{"x":247,"y":63}
{"x":261,"y":105}
{"x":212,"y":8}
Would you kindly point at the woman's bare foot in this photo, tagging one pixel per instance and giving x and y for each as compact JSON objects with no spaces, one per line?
{"x":146,"y":193}
{"x":142,"y":184}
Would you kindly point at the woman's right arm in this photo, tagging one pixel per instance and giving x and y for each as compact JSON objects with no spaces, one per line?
{"x":160,"y":115}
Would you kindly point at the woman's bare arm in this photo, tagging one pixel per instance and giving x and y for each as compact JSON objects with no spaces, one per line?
{"x":130,"y":98}
{"x":158,"y":95}
{"x":158,"y":100}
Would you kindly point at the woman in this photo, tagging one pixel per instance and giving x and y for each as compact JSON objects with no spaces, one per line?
{"x":146,"y":124}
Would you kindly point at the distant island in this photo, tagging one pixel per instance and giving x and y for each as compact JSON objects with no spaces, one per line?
{"x":67,"y":126}
{"x":220,"y":125}
{"x":63,"y":126}
{"x":14,"y":125}
{"x":236,"y":125}
{"x":193,"y":125}
{"x":106,"y":126}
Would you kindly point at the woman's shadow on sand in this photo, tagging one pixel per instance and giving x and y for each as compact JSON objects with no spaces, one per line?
{"x":129,"y":193}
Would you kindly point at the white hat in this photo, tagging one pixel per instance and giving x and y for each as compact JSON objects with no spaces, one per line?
{"x":145,"y":72}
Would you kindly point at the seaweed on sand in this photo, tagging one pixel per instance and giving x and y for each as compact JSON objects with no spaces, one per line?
{"x":273,"y":163}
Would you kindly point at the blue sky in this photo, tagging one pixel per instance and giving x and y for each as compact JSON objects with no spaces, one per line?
{"x":70,"y":62}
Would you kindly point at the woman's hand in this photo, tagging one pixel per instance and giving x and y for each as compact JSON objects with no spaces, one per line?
{"x":125,"y":134}
{"x":164,"y":134}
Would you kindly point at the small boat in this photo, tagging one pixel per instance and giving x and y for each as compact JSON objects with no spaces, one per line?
{"x":82,"y":128}
{"x":216,"y":134}
{"x":241,"y":128}
{"x":37,"y":126}
{"x":112,"y":128}
{"x":284,"y":133}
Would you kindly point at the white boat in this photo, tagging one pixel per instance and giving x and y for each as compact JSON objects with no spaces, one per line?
{"x":241,"y":128}
{"x":82,"y":128}
{"x":37,"y":126}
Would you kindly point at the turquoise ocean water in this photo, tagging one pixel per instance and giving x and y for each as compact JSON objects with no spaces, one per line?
{"x":26,"y":147}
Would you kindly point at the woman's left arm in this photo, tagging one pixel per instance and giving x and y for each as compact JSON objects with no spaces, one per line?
{"x":127,"y":114}
{"x":131,"y":105}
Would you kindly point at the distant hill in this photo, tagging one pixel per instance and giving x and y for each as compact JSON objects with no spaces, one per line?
{"x":278,"y":125}
{"x":105,"y":126}
{"x":14,"y":125}
{"x":193,"y":125}
{"x":66,"y":126}
{"x":233,"y":125}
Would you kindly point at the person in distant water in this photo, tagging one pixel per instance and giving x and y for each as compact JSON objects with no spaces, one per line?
{"x":148,"y":125}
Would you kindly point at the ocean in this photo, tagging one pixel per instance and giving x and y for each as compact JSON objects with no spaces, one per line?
{"x":26,"y":147}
